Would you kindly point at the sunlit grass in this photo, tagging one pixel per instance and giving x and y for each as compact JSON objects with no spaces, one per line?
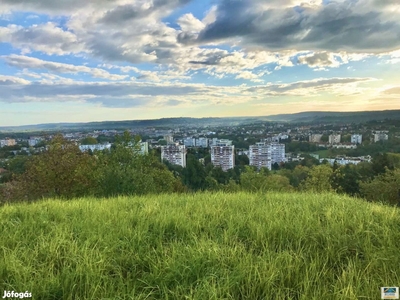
{"x":202,"y":246}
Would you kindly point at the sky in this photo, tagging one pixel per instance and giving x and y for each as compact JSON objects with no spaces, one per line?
{"x":95,"y":60}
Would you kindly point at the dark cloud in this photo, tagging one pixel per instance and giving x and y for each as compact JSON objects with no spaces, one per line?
{"x":346,"y":25}
{"x":211,"y":58}
{"x":322,"y":59}
{"x":51,"y":6}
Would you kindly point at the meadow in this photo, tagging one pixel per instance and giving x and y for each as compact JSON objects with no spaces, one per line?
{"x":200,"y":246}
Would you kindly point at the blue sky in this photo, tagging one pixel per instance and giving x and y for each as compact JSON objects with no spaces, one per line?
{"x":81,"y":61}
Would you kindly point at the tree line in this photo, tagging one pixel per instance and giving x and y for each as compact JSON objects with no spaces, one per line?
{"x":63,"y":171}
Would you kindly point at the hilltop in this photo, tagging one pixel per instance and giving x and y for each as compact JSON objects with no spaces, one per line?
{"x":325,"y":117}
{"x":200,"y":246}
{"x":322,"y":117}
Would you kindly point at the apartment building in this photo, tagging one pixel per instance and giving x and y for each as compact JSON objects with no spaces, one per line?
{"x":380,"y":136}
{"x":334,"y":139}
{"x":202,"y":142}
{"x":356,"y":138}
{"x":7,"y":142}
{"x":33,"y":141}
{"x":277,"y":153}
{"x":315,"y":138}
{"x":189,"y":142}
{"x":223,"y":154}
{"x":174,"y":154}
{"x":144,"y":148}
{"x":260,"y":156}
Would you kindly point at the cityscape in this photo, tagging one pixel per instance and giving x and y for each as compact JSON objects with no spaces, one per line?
{"x":199,"y":150}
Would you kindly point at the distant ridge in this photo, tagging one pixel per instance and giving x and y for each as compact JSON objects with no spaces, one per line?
{"x":302,"y":117}
{"x":336,"y":117}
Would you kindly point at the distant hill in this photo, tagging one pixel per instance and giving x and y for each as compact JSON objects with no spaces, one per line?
{"x":122,"y":125}
{"x":335,"y":117}
{"x":303,"y":117}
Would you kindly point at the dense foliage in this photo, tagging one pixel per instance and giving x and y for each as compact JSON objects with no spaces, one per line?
{"x":63,"y":171}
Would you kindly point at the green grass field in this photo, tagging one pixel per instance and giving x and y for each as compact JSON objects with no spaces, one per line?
{"x":203,"y":246}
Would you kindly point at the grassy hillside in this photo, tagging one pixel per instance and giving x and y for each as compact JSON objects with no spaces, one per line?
{"x":205,"y":246}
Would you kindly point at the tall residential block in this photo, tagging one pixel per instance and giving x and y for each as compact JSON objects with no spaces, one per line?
{"x":260,"y":156}
{"x":356,"y":138}
{"x":277,"y":153}
{"x":334,"y":138}
{"x":174,"y":154}
{"x":223,"y":155}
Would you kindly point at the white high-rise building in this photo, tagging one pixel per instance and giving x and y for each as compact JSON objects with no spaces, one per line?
{"x":356,"y":138}
{"x":223,"y":155}
{"x":144,"y":148}
{"x":334,"y":139}
{"x":277,"y":153}
{"x":174,"y":154}
{"x":260,"y":155}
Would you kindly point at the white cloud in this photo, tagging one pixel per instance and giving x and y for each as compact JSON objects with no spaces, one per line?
{"x":26,"y":62}
{"x":46,"y":38}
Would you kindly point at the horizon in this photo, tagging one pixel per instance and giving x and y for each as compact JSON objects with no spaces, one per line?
{"x":227,"y":117}
{"x":74,"y":62}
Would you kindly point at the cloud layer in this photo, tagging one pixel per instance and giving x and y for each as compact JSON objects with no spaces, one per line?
{"x":133,"y":53}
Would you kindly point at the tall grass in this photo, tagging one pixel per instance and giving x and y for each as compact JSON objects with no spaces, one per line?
{"x":202,"y":246}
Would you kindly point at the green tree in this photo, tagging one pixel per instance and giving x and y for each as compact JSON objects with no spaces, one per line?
{"x":383,"y":188}
{"x":194,"y":175}
{"x":89,"y":141}
{"x":346,"y":180}
{"x":62,"y":171}
{"x":124,"y":171}
{"x":319,"y":179}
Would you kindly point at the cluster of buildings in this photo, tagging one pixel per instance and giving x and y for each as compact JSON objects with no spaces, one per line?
{"x":222,"y":152}
{"x":144,"y":147}
{"x":196,"y":142}
{"x":356,"y":139}
{"x":343,"y":160}
{"x":335,"y":139}
{"x":7,"y":142}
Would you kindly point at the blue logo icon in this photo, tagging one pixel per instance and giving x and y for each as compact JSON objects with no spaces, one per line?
{"x":389,"y":293}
